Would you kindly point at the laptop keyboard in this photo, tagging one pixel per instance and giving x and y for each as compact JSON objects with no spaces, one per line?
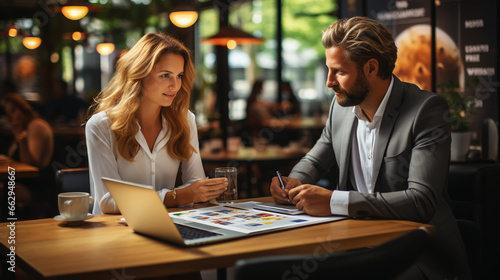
{"x":189,"y":233}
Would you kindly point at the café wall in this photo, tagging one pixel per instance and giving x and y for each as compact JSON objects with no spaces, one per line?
{"x":466,"y":33}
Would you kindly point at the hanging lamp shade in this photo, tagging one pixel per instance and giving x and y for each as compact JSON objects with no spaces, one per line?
{"x":230,"y":37}
{"x":32,"y":42}
{"x":74,"y":9}
{"x":105,"y":48}
{"x":183,"y":17}
{"x":75,"y":12}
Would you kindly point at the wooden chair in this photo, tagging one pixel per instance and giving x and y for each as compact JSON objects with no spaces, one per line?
{"x":73,"y":180}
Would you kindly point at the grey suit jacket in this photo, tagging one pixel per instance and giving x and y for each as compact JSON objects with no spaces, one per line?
{"x":410,"y":170}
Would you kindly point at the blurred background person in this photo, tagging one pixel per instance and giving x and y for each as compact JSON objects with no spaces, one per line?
{"x":262,"y":113}
{"x":33,"y":137}
{"x":290,"y":103}
{"x":8,"y":86}
{"x":259,"y":111}
{"x":33,"y":144}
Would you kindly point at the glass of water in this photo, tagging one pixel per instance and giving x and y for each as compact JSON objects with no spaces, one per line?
{"x":231,"y":194}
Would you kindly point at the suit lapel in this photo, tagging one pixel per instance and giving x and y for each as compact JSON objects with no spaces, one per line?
{"x":389,"y":119}
{"x":351,"y":123}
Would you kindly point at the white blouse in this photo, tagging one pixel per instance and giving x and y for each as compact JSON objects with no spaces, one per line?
{"x":156,"y":168}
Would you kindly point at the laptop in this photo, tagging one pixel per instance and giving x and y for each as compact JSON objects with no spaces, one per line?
{"x":146,"y":214}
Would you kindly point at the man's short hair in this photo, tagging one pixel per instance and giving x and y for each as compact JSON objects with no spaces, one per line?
{"x":363,"y":38}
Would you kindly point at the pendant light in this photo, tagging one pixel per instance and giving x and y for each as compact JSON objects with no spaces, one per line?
{"x":75,"y":12}
{"x":231,"y":37}
{"x":32,"y":42}
{"x":183,"y":16}
{"x":105,"y":48}
{"x":74,"y":9}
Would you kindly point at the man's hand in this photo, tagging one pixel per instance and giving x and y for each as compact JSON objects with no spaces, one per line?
{"x":313,"y":200}
{"x":280,"y":195}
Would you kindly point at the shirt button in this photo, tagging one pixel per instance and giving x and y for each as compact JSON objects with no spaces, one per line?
{"x":153,"y":173}
{"x":152,"y":160}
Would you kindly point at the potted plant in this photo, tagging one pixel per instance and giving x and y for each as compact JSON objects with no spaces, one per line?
{"x":462,"y":108}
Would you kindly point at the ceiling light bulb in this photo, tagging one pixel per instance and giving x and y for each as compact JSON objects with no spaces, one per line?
{"x":77,"y":36}
{"x":231,"y":44}
{"x":12,"y":32}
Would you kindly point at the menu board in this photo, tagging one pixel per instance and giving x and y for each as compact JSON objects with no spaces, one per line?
{"x":410,"y":25}
{"x":479,"y":47}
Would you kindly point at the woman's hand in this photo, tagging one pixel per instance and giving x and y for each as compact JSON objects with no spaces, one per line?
{"x":202,"y":190}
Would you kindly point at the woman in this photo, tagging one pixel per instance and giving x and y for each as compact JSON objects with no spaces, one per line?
{"x":142,"y":131}
{"x":33,"y":144}
{"x":259,"y":111}
{"x":33,"y":138}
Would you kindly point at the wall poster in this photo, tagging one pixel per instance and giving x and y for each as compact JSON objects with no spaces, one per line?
{"x":466,"y":47}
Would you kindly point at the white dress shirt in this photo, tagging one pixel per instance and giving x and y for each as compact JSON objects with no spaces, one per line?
{"x":362,"y":154}
{"x":154,"y":168}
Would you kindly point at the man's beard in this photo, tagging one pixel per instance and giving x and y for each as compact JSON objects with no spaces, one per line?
{"x":356,"y":94}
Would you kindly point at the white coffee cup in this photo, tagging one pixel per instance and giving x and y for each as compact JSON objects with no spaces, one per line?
{"x":74,"y":205}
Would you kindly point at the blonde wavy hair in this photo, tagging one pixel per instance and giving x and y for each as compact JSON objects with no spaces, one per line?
{"x":363,"y":38}
{"x":122,"y":96}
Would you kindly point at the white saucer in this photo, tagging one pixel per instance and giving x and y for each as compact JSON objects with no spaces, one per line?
{"x":60,"y":218}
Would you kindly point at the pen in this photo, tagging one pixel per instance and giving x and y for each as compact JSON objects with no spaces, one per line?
{"x":282,"y":184}
{"x":281,"y":180}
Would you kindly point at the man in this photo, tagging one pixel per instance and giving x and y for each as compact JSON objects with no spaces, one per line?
{"x":391,"y":144}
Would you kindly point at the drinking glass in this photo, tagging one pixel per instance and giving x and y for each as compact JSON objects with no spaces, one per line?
{"x":231,"y":194}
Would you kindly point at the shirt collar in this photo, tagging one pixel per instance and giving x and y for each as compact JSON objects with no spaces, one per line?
{"x":381,"y":108}
{"x":163,"y":123}
{"x":161,"y":136}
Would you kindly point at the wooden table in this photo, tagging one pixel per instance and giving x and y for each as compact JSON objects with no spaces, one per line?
{"x":11,"y":170}
{"x":306,"y":123}
{"x":270,"y":153}
{"x":100,"y":248}
{"x":22,"y":170}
